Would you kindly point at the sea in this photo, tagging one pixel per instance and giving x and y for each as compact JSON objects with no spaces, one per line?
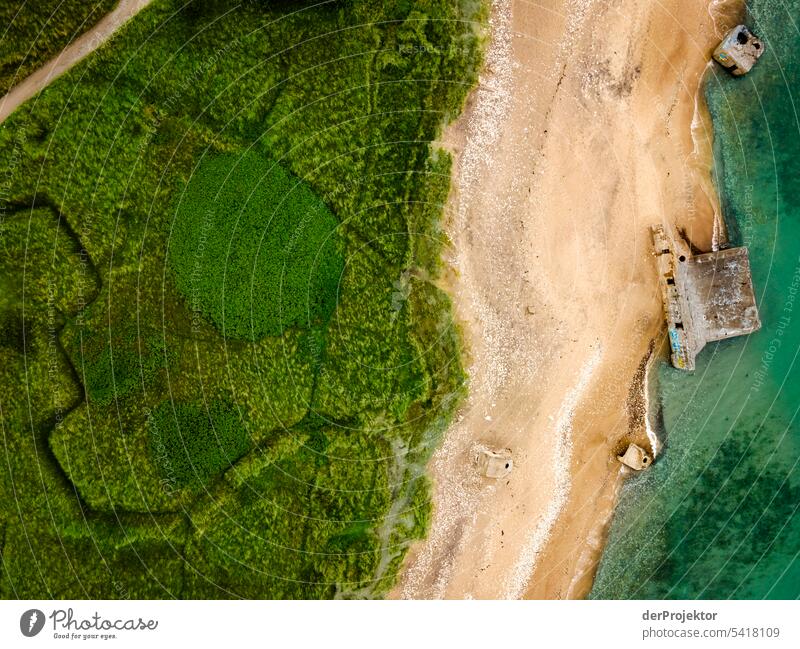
{"x":717,"y":515}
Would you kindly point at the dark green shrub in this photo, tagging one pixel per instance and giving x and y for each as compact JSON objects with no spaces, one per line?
{"x":191,"y":444}
{"x":121,"y":368}
{"x":253,"y":248}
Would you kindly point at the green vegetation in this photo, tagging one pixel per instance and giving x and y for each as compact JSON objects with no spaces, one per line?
{"x":191,"y":445}
{"x":113,"y":370}
{"x":255,"y":248}
{"x":35,"y":32}
{"x":228,"y":361}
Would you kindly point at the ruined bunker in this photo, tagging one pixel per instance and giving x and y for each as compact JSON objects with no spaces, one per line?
{"x":494,"y":464}
{"x":706,"y":297}
{"x":739,"y":51}
{"x":635,"y":457}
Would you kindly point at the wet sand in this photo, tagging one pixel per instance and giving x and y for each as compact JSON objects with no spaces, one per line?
{"x":584,"y":131}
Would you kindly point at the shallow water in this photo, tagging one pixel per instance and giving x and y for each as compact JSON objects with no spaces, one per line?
{"x":718,"y":515}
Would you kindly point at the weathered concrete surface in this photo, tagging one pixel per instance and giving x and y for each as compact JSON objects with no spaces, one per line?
{"x":739,"y":51}
{"x":706,"y":297}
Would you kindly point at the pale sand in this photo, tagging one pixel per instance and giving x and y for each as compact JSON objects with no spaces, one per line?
{"x":76,"y":51}
{"x":578,"y":138}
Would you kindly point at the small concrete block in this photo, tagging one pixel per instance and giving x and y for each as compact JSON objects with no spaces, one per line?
{"x":635,"y":457}
{"x":495,"y":465}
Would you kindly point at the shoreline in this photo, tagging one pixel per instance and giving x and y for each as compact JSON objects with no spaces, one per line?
{"x":553,"y":282}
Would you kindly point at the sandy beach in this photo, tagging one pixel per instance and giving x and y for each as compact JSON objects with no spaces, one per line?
{"x":584,"y":131}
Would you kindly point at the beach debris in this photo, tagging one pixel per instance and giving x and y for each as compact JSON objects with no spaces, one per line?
{"x":635,"y":457}
{"x":494,"y":464}
{"x":706,"y":297}
{"x":739,"y":51}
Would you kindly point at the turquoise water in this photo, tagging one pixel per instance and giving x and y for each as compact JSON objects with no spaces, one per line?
{"x":718,"y":515}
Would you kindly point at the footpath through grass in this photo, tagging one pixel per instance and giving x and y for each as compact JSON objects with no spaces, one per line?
{"x":34,"y":31}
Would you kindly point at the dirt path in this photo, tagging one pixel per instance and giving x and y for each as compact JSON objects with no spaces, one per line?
{"x":578,"y":138}
{"x":70,"y":55}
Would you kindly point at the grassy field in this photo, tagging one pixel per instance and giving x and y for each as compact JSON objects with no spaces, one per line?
{"x":224,"y":358}
{"x":34,"y":31}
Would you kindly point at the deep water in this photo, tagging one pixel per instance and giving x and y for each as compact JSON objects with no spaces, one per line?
{"x":717,"y":516}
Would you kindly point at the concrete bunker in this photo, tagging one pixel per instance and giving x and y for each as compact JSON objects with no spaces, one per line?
{"x":739,"y":51}
{"x":706,"y":297}
{"x":635,"y":457}
{"x":494,"y":464}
